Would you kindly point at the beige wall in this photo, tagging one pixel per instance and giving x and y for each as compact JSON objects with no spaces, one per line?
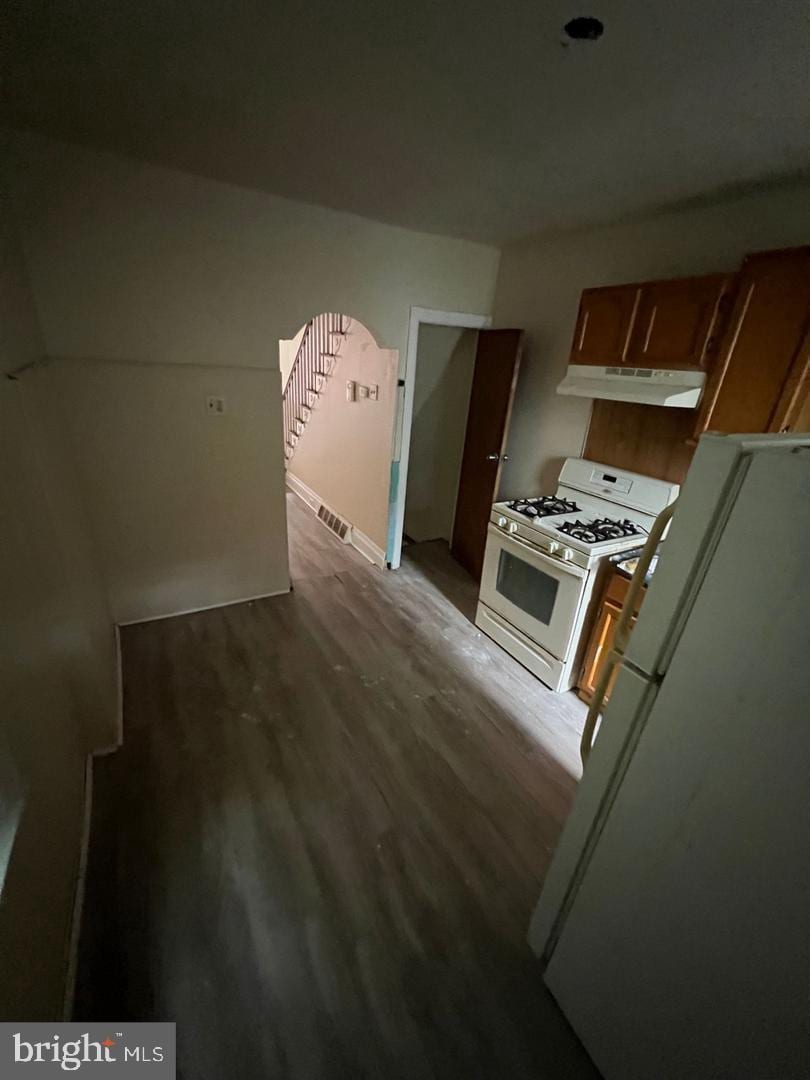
{"x":540,"y":282}
{"x":344,"y":454}
{"x":57,"y":666}
{"x":186,"y":508}
{"x":444,"y":369}
{"x":135,"y":263}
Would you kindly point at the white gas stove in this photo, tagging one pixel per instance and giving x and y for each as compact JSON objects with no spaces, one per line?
{"x":545,"y":555}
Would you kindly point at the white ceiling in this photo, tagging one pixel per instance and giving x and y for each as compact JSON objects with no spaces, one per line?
{"x":470,"y":119}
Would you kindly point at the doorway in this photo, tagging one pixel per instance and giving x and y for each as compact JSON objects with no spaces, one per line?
{"x":445,"y":361}
{"x":420,"y":318}
{"x":452,"y":495}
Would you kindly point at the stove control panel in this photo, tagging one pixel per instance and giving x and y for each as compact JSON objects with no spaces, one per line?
{"x":502,"y":521}
{"x":611,"y":482}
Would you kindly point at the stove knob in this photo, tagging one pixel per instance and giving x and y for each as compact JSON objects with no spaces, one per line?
{"x":502,"y":522}
{"x":513,"y":526}
{"x":567,"y":554}
{"x":553,"y":546}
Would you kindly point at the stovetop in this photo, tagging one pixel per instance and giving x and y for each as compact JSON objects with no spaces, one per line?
{"x":587,"y":525}
{"x":597,"y":511}
{"x":544,"y":506}
{"x":571,"y":530}
{"x":599,"y":530}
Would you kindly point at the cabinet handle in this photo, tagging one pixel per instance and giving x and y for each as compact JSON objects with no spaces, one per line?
{"x":582,"y":331}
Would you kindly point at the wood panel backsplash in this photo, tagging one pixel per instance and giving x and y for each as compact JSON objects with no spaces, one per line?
{"x":647,"y":439}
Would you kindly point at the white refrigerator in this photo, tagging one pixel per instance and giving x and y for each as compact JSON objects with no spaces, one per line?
{"x":674,"y":923}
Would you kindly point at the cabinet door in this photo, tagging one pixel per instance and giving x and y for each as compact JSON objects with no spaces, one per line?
{"x":760,"y":380}
{"x":604,"y":325}
{"x":793,"y":408}
{"x":677,"y":322}
{"x":599,"y":645}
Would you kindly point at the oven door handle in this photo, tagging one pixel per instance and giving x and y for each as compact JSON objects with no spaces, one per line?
{"x":509,"y":538}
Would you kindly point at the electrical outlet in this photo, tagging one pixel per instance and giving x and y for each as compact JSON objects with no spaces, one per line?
{"x":374,"y":392}
{"x":215,"y":406}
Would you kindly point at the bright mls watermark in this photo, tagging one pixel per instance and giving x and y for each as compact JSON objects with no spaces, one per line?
{"x":43,"y":1049}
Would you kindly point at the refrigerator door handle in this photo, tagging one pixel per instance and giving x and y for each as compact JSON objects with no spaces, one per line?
{"x":622,"y":632}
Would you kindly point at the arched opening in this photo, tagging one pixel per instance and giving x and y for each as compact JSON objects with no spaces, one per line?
{"x":339,"y":389}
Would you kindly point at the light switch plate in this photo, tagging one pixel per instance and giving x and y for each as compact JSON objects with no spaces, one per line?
{"x":351,"y":390}
{"x":362,"y":391}
{"x":215,"y":406}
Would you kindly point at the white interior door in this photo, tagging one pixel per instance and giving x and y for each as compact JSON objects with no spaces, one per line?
{"x":686,"y":952}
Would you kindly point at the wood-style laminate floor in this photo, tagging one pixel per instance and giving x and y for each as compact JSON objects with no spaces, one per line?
{"x":320,"y":845}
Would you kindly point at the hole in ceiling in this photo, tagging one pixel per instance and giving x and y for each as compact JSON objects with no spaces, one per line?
{"x":584,"y":28}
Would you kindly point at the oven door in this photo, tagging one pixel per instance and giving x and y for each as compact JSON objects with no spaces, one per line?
{"x":536,"y":593}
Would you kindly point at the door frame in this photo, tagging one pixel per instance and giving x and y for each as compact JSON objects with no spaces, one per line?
{"x":401,"y":450}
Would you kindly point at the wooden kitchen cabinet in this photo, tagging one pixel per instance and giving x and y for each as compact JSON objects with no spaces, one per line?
{"x":604,"y":324}
{"x":658,"y":324}
{"x":762,"y":376}
{"x":678,"y":322}
{"x":600,"y":641}
{"x":749,"y":331}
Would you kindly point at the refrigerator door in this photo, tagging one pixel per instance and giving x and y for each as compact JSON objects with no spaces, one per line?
{"x":686,"y":949}
{"x":611,"y":751}
{"x":717,"y":471}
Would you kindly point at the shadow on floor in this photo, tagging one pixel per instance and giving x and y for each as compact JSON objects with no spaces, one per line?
{"x":433,"y":559}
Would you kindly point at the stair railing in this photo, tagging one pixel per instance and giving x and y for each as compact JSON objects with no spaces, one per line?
{"x":313,"y":364}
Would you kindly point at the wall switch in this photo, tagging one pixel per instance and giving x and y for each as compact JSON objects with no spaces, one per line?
{"x":374,"y":392}
{"x":351,"y":390}
{"x":362,"y":391}
{"x":215,"y":406}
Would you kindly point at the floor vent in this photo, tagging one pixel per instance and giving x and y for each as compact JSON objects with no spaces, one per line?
{"x":339,"y":527}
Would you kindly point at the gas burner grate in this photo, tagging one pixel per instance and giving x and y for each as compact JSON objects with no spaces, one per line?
{"x":543,"y":507}
{"x":600,"y":529}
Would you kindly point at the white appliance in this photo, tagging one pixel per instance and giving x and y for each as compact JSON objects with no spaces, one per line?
{"x":543,"y":560}
{"x":675,"y":918}
{"x":646,"y":386}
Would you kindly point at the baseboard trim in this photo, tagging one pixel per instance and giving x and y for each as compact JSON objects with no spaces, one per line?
{"x":78,"y":895}
{"x":299,"y":488}
{"x":366,"y":546}
{"x":356,"y":537}
{"x":206,"y":607}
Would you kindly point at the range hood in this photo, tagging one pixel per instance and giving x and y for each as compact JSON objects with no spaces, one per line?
{"x":646,"y":386}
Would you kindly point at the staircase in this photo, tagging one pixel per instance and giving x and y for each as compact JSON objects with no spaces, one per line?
{"x":314,"y":363}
